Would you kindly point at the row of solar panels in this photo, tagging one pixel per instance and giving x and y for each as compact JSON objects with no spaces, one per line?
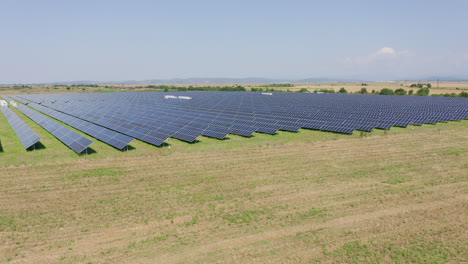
{"x":347,"y":128}
{"x":110,"y":137}
{"x":169,"y":121}
{"x":79,"y":143}
{"x":151,"y":118}
{"x":310,"y":112}
{"x":281,"y":122}
{"x":70,"y":138}
{"x":26,"y":135}
{"x":143,"y":128}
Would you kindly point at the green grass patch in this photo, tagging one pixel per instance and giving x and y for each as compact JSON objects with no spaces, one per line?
{"x":457,"y":151}
{"x":7,"y":222}
{"x":397,"y":180}
{"x":356,"y":252}
{"x":192,"y":222}
{"x":421,"y":252}
{"x":245,"y":217}
{"x":111,"y":200}
{"x":113,"y":173}
{"x":416,"y":252}
{"x":359,"y":174}
{"x":392,"y":170}
{"x":314,"y":212}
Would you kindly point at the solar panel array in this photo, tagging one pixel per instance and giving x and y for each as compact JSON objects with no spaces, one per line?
{"x":73,"y":140}
{"x":108,"y":136}
{"x":8,"y":99}
{"x":155,"y":117}
{"x":26,"y":135}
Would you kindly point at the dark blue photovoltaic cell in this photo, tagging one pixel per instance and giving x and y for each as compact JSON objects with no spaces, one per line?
{"x":73,"y":140}
{"x":27,"y":136}
{"x":153,"y":117}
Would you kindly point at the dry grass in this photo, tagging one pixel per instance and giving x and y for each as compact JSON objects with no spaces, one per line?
{"x":444,"y":87}
{"x":396,"y":197}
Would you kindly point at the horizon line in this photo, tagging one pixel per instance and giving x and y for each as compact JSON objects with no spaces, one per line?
{"x":243,"y":80}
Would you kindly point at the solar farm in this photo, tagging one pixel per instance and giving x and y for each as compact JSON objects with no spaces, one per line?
{"x":232,"y":177}
{"x":119,"y":118}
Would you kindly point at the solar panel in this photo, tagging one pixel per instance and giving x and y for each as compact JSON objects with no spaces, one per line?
{"x":73,"y":140}
{"x":155,"y":117}
{"x":108,"y":136}
{"x":26,"y":135}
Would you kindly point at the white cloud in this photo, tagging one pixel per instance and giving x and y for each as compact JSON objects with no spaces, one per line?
{"x":385,"y":53}
{"x":388,"y":63}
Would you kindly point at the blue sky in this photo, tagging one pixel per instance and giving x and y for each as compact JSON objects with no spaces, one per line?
{"x":48,"y":41}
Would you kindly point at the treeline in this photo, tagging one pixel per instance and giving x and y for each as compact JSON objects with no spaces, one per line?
{"x":278,"y":85}
{"x":171,"y":88}
{"x":421,"y":85}
{"x":462,"y":94}
{"x":400,"y":91}
{"x":20,"y":87}
{"x":423,"y":91}
{"x":341,"y":90}
{"x":84,"y":85}
{"x":253,"y":89}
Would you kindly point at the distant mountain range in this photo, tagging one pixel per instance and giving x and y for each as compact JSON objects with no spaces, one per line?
{"x":447,"y":79}
{"x":248,"y":80}
{"x":208,"y":81}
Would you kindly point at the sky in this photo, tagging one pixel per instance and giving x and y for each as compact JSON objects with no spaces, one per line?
{"x":100,"y":40}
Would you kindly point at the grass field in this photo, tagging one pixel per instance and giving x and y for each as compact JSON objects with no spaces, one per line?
{"x":397,"y":196}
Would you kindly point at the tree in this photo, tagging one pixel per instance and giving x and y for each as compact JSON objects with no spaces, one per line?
{"x":363,"y":91}
{"x":342,"y":90}
{"x":386,"y":91}
{"x":324,"y":91}
{"x":429,"y":85}
{"x":400,"y":91}
{"x":423,"y":92}
{"x":303,"y":90}
{"x":463,"y":94}
{"x":410,"y":92}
